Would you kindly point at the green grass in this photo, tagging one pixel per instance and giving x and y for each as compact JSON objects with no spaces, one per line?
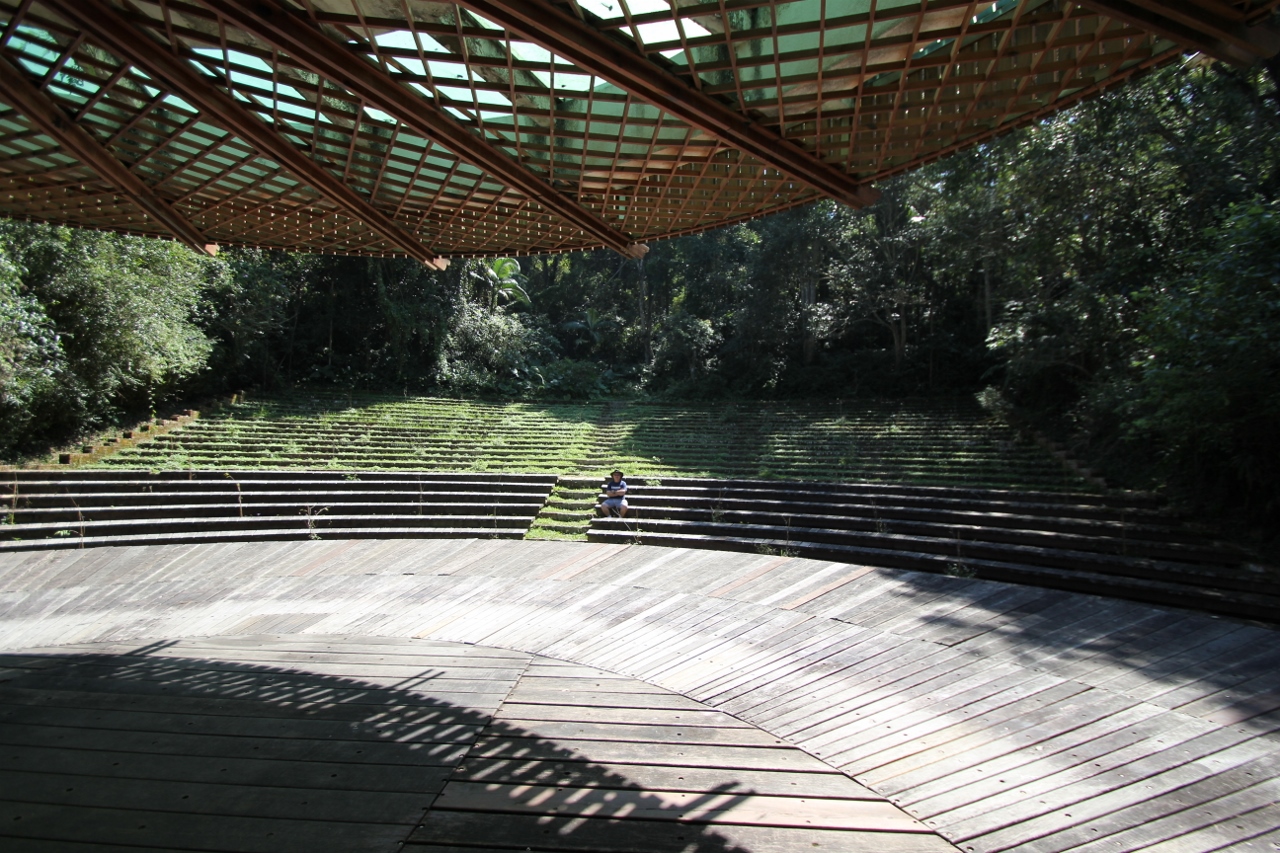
{"x":921,"y":441}
{"x":943,"y":442}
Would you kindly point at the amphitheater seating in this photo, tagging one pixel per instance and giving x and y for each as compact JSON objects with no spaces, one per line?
{"x":74,"y":509}
{"x":946,"y":442}
{"x":939,"y":485}
{"x":1122,"y":546}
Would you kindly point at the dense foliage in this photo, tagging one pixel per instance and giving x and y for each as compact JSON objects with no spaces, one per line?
{"x":1112,"y":272}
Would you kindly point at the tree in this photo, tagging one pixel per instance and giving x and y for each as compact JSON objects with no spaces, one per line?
{"x":879,"y":270}
{"x":125,"y":311}
{"x":502,"y":282}
{"x":1206,"y":382}
{"x":31,"y":361}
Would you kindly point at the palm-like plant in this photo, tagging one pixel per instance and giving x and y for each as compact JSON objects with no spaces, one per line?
{"x":592,"y":328}
{"x":502,"y":282}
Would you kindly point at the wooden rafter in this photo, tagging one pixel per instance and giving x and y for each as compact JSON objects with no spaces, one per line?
{"x":293,"y":35}
{"x":36,"y":105}
{"x":1211,"y":27}
{"x":103,"y":24}
{"x":616,"y":61}
{"x":519,"y":126}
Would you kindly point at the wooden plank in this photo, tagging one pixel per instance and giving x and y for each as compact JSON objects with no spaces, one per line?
{"x":429,"y":725}
{"x":607,"y":699}
{"x":964,"y":605}
{"x":1251,"y":833}
{"x":1201,"y":655}
{"x":1043,"y":778}
{"x":269,"y":647}
{"x":1132,"y":646}
{"x":802,"y":675}
{"x":619,"y":617}
{"x":1134,"y":804}
{"x":287,"y":665}
{"x":741,"y":655}
{"x":841,"y":580}
{"x":748,"y":574}
{"x":881,"y":664}
{"x":283,"y":803}
{"x":624,"y":752}
{"x":898,"y":747}
{"x":686,"y":627}
{"x":946,"y":688}
{"x":616,"y":649}
{"x":1245,"y":675}
{"x":726,"y":645}
{"x":298,"y":685}
{"x":569,"y":685}
{"x":1094,"y":626}
{"x":143,"y":744}
{"x":1105,"y":793}
{"x":569,"y":611}
{"x":932,"y":794}
{"x":519,"y":713}
{"x":810,"y":691}
{"x":1212,"y":802}
{"x":579,"y":773}
{"x":1028,"y":734}
{"x":658,"y":735}
{"x":793,"y":650}
{"x":593,"y":835}
{"x":142,"y":829}
{"x":729,"y":806}
{"x":990,"y":614}
{"x":550,"y":668}
{"x":103,"y":763}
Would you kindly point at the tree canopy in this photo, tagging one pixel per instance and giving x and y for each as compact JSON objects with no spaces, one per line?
{"x":1110,"y":272}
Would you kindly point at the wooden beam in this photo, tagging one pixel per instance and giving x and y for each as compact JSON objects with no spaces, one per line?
{"x":618,"y":62}
{"x":44,"y":113}
{"x":299,"y":38}
{"x":1210,"y":27}
{"x":103,"y":24}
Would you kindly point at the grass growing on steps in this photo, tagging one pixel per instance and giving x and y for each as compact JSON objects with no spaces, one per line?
{"x":939,"y":442}
{"x":568,"y":512}
{"x":915,"y":441}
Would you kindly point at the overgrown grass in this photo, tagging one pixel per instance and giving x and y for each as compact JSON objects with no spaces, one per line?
{"x":952,"y":442}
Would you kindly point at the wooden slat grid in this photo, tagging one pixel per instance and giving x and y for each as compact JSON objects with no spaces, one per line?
{"x":1004,"y":718}
{"x":524,"y":151}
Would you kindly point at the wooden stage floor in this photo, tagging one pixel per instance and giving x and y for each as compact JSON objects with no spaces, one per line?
{"x":484,"y":695}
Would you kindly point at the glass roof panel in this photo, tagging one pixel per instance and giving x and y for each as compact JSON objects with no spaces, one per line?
{"x":602,"y":122}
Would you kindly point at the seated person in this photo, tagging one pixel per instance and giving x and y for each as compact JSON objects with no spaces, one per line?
{"x":615,"y":496}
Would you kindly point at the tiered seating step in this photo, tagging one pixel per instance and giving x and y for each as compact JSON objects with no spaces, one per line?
{"x":116,"y":507}
{"x":1119,"y":545}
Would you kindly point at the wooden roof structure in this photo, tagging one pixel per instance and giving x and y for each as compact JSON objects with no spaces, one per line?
{"x":506,"y":127}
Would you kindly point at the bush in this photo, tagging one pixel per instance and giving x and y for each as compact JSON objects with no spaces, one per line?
{"x":31,"y":361}
{"x":573,"y":380}
{"x":1206,"y":385}
{"x":494,"y":352}
{"x":119,"y":311}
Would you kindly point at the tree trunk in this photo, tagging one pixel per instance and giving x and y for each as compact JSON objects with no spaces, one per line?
{"x":986,"y":294}
{"x":809,"y":298}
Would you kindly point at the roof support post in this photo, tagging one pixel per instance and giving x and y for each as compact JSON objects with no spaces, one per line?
{"x":1211,"y":27}
{"x":101,"y":23}
{"x":41,"y":110}
{"x":292,"y":33}
{"x":586,"y":47}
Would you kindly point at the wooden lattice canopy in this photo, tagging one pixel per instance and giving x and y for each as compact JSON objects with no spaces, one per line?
{"x":494,"y":127}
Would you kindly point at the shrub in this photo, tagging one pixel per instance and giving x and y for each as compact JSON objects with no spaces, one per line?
{"x":1206,"y":384}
